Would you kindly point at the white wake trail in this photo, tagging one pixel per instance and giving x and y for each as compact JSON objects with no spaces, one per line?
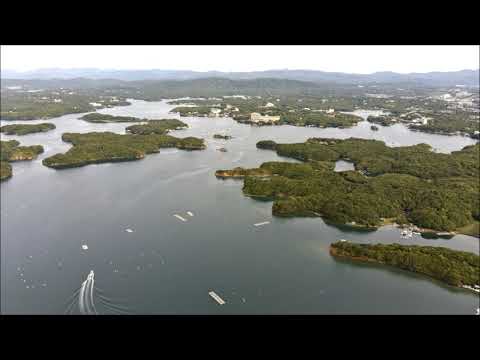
{"x":81,"y":301}
{"x":91,"y":297}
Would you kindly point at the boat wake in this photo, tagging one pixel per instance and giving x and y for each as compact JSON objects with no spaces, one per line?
{"x":83,"y":300}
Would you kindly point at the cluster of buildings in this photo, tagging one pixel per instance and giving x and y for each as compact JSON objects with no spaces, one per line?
{"x":461,"y":99}
{"x":267,"y":119}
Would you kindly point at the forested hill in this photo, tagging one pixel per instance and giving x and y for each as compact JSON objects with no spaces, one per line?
{"x":452,"y":78}
{"x":155,"y":89}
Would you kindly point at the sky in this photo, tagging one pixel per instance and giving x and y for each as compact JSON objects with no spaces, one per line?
{"x":350,"y":59}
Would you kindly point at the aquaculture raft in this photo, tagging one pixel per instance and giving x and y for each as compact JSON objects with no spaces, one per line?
{"x":217,"y":298}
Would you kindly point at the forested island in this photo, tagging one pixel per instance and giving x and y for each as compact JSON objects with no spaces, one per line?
{"x":24,"y":129}
{"x":105,"y":118}
{"x":456,"y":268}
{"x":410,"y":184}
{"x":381,"y":120}
{"x":12,"y":151}
{"x":223,"y":137}
{"x":159,"y":127}
{"x":101,"y":147}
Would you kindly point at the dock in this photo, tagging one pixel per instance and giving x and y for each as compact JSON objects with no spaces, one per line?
{"x":180,"y":217}
{"x":262,"y":223}
{"x":217,"y":298}
{"x":475,"y":288}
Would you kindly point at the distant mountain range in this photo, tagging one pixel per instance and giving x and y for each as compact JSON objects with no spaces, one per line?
{"x":463,"y":77}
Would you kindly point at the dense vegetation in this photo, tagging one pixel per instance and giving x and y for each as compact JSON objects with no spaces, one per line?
{"x":290,"y":113}
{"x":296,"y":102}
{"x":12,"y":151}
{"x":450,"y":123}
{"x":408,"y":184}
{"x":381,"y":120}
{"x":105,"y":118}
{"x":44,"y":104}
{"x":199,"y":111}
{"x":23,"y":129}
{"x":453,"y":267}
{"x":100,"y":147}
{"x":5,"y":170}
{"x":159,"y":127}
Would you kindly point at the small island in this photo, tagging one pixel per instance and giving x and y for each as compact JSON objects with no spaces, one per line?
{"x":266,"y":144}
{"x":381,"y":120}
{"x":453,"y":267}
{"x":159,"y":127}
{"x":403,"y":185}
{"x":12,"y":151}
{"x":101,"y":147}
{"x":105,"y":118}
{"x":24,"y":129}
{"x":220,"y":136}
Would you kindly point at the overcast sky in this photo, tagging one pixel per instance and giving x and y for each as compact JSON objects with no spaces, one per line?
{"x":352,"y":59}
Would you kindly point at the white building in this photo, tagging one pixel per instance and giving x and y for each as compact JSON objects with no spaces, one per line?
{"x":215,"y":112}
{"x":330,"y":111}
{"x":258,"y":118}
{"x":269,"y":105}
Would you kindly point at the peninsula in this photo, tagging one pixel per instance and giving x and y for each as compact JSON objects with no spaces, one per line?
{"x":24,"y":129}
{"x":453,"y":267}
{"x":409,"y":184}
{"x":12,"y":151}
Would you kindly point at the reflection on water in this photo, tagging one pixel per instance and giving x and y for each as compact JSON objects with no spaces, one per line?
{"x":166,"y":266}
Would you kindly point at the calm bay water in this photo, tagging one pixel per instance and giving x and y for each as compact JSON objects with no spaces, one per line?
{"x":166,"y":266}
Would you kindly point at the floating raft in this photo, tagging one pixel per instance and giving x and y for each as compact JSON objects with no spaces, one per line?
{"x":180,"y":217}
{"x":217,"y":298}
{"x":262,"y":223}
